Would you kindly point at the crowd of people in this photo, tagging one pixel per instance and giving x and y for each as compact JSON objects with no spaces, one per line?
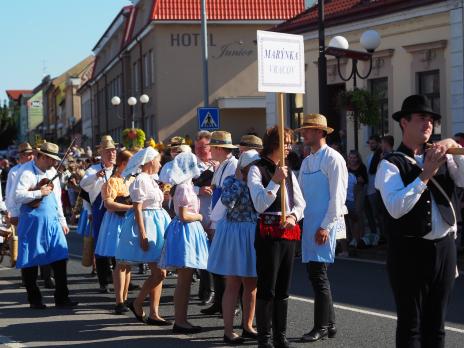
{"x":235,"y":217}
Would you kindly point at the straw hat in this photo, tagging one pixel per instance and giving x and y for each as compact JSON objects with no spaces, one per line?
{"x":51,"y":150}
{"x":315,"y":121}
{"x":24,"y":148}
{"x":222,"y":139}
{"x":251,"y":141}
{"x":176,"y":141}
{"x":106,"y":143}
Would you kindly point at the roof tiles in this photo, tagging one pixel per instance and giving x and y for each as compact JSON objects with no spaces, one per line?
{"x":227,"y":9}
{"x":15,"y":94}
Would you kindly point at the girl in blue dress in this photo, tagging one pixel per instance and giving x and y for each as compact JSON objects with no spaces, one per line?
{"x":232,"y":253}
{"x":186,"y":247}
{"x":142,"y":234}
{"x":110,"y":229}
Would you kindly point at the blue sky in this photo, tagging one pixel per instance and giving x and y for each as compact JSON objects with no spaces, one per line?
{"x":55,"y":34}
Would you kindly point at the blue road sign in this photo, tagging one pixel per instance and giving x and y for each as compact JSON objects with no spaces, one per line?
{"x":208,"y":118}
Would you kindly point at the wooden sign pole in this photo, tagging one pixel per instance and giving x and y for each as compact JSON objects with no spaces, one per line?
{"x":280,"y":103}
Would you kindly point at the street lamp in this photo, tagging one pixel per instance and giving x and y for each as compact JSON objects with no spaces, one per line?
{"x":132,"y":101}
{"x":338,"y":47}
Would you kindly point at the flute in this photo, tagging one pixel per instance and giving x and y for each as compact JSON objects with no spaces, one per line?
{"x":451,"y":150}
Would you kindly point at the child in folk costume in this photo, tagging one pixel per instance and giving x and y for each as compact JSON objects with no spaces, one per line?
{"x":186,"y":246}
{"x":232,"y":253}
{"x":142,"y":234}
{"x":110,"y":229}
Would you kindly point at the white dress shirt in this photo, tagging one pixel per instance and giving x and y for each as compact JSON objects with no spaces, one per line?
{"x":91,"y":183}
{"x":205,"y":201}
{"x":400,"y":199}
{"x":11,"y":205}
{"x":263,"y":197}
{"x":332,"y":164}
{"x":225,"y":169}
{"x":28,"y":178}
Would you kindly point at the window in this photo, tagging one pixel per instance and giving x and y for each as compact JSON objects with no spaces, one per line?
{"x":295,"y":108}
{"x":152,"y":67}
{"x":146,"y":70}
{"x":379,"y":87}
{"x":136,"y":77}
{"x":429,"y":86}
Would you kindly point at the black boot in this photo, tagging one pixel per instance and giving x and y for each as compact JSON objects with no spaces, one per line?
{"x":216,"y":307}
{"x":263,"y":322}
{"x":279,"y":324}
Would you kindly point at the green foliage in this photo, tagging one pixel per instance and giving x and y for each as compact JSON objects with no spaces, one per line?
{"x":8,"y":129}
{"x":133,"y":138}
{"x":362,"y":102}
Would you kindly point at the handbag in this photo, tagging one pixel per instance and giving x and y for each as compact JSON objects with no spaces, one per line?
{"x":123,"y":200}
{"x":87,"y":251}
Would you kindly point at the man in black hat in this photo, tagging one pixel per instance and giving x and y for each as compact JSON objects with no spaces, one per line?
{"x":416,"y":184}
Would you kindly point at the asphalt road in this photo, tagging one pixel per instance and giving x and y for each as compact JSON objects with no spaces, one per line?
{"x":364,"y":310}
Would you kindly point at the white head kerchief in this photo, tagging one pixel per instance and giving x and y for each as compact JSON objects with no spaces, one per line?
{"x":139,"y":159}
{"x":184,"y":167}
{"x":248,"y":157}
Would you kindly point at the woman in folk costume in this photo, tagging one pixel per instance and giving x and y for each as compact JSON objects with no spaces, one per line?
{"x":186,"y":247}
{"x":275,"y":242}
{"x":232,"y":253}
{"x":110,"y":228}
{"x":142,"y":233}
{"x":42,"y":229}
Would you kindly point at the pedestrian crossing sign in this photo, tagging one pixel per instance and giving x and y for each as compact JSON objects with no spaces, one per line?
{"x":208,"y":118}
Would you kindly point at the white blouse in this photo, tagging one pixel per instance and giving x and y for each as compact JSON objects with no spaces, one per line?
{"x":145,"y":190}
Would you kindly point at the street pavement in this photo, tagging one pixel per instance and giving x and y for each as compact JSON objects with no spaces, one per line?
{"x":364,"y":310}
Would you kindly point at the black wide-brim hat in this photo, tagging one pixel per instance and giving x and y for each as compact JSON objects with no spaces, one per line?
{"x":415,"y":104}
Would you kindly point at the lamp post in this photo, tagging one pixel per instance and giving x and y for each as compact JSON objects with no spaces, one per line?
{"x":132,"y":101}
{"x":322,"y":62}
{"x":338,"y":47}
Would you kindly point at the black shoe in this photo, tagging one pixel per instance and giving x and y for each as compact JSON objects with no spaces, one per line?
{"x":157,"y":322}
{"x":315,"y":335}
{"x":208,"y":299}
{"x":120,"y":308}
{"x":214,"y":309}
{"x":66,"y":304}
{"x":332,"y":331}
{"x":186,"y":330}
{"x":142,"y":269}
{"x":234,"y":341}
{"x":104,"y":289}
{"x":133,"y":287}
{"x":140,"y":318}
{"x":248,"y":334}
{"x":49,"y":283}
{"x":236,"y":311}
{"x":37,"y":306}
{"x":93,"y":273}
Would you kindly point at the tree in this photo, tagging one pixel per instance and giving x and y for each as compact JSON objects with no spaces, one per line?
{"x":8,"y":129}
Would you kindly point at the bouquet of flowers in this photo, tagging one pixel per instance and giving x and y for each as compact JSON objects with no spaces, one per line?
{"x":133,"y":138}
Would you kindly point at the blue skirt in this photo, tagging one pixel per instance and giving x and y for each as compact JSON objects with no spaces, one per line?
{"x":128,"y":249}
{"x":232,"y":251}
{"x":108,"y":238}
{"x":186,"y":245}
{"x":83,"y":226}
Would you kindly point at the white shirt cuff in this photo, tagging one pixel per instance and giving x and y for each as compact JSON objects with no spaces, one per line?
{"x":419,"y":186}
{"x":273,"y":188}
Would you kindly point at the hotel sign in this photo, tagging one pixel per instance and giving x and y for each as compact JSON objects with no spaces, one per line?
{"x":280,"y":62}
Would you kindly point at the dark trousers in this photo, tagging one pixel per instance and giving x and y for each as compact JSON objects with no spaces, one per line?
{"x":30,"y":274}
{"x":422,"y":274}
{"x":274,"y":266}
{"x":104,"y":273}
{"x":324,"y":313}
{"x":206,"y":287}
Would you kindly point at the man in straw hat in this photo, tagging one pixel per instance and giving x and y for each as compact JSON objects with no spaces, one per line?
{"x":94,"y":178}
{"x":221,"y":151}
{"x":323,"y":179}
{"x":416,"y":184}
{"x":275,"y":240}
{"x":250,"y":142}
{"x":26,"y":154}
{"x":42,"y":230}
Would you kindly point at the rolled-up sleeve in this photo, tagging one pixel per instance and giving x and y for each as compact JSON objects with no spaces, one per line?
{"x":456,"y":169}
{"x":261,"y":196}
{"x":26,"y":181}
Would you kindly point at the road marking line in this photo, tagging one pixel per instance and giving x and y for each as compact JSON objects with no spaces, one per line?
{"x":10,"y":343}
{"x":347,"y":258}
{"x":363,"y":311}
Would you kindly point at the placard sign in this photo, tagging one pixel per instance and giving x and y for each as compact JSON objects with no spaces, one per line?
{"x":280,"y":62}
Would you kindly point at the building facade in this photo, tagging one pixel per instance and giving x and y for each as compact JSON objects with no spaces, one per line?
{"x":154,"y":48}
{"x":421,"y":52}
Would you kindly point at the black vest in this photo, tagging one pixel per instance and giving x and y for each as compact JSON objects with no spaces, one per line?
{"x":418,"y":221}
{"x":267,"y":169}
